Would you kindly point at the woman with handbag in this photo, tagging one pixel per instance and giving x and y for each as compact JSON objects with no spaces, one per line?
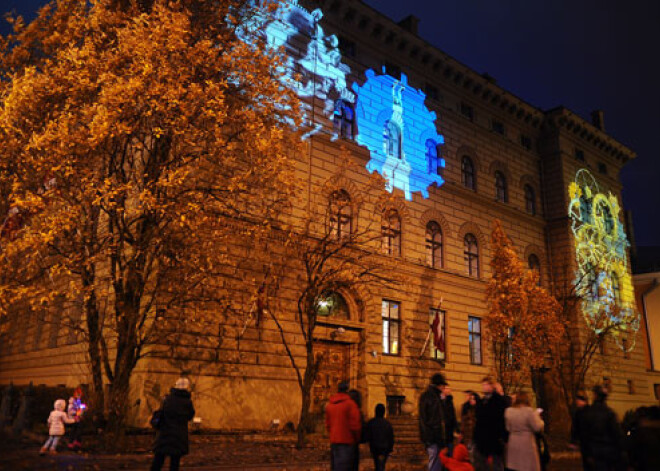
{"x":171,"y":421}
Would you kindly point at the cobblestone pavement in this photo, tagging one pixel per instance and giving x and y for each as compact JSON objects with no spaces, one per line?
{"x":217,"y":453}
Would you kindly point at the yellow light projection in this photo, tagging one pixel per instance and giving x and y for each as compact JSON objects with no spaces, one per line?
{"x":602,"y":278}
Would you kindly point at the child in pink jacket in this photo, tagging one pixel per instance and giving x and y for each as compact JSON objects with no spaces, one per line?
{"x":56,"y":421}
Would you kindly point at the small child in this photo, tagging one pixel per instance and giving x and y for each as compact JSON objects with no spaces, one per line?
{"x":74,"y":412}
{"x":460,"y":461}
{"x":380,"y":436}
{"x":56,"y":421}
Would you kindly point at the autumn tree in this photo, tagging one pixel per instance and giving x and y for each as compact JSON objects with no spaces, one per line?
{"x":334,"y":245}
{"x":522,"y":323}
{"x":136,"y":139}
{"x":581,"y":346}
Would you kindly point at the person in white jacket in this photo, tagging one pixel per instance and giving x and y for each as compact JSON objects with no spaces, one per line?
{"x":56,"y":421}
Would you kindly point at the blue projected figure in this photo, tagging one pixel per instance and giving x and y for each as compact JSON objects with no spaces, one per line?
{"x":400,"y":133}
{"x":311,"y":54}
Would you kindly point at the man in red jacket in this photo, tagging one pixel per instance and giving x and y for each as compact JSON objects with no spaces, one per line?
{"x":343,"y":422}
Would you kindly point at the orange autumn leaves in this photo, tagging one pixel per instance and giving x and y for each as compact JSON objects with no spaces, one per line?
{"x":523,"y":324}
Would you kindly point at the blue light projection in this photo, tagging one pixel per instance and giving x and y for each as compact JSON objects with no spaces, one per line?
{"x":400,"y":133}
{"x":391,"y":118}
{"x":313,"y":61}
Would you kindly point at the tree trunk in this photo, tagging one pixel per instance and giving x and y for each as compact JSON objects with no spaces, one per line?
{"x":305,"y":424}
{"x":92,"y":318}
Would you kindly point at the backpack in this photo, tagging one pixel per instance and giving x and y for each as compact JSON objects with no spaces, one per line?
{"x":156,"y":420}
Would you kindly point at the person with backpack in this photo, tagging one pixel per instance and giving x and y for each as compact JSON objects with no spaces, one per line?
{"x":171,"y":422}
{"x":380,"y":436}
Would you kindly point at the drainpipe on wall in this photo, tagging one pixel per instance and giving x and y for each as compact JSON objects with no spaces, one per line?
{"x":646,"y":320}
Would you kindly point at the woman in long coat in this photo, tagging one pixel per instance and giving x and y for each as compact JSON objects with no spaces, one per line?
{"x":172,"y":438}
{"x":522,"y":423}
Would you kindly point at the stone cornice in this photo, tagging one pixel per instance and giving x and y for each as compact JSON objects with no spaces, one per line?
{"x":431,"y":61}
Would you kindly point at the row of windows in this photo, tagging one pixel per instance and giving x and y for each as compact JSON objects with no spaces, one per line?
{"x":341,"y":225}
{"x":391,"y":323}
{"x":344,"y":124}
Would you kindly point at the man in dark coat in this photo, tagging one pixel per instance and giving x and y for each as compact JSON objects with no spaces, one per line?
{"x":604,"y":437}
{"x":172,"y":438}
{"x":490,"y":429}
{"x":432,"y":421}
{"x":344,"y":425}
{"x":380,"y":435}
{"x":644,"y":446}
{"x":579,"y":429}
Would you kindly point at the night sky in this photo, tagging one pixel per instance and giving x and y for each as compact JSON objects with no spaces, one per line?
{"x":582,"y":54}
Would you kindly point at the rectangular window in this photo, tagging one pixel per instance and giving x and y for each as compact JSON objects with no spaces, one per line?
{"x":467,"y":111}
{"x":391,"y":313}
{"x":431,"y":92}
{"x":579,"y":155}
{"x":602,"y":168}
{"x":474,"y":333}
{"x":526,"y":142}
{"x":438,"y":341}
{"x":498,"y":127}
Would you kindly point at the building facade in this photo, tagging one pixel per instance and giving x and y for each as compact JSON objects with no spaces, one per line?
{"x":456,"y":152}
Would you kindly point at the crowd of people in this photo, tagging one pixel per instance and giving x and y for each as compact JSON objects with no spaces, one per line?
{"x":495,"y":432}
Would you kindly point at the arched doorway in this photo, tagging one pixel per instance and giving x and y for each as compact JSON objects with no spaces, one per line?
{"x":337,"y":343}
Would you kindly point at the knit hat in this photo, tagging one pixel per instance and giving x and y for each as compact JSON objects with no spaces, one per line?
{"x":60,"y":404}
{"x":438,"y":379}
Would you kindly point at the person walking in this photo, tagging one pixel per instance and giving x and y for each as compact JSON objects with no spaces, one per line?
{"x":579,"y":429}
{"x":432,"y":421}
{"x":344,"y":425}
{"x":522,"y":423}
{"x":356,"y":396}
{"x":56,"y":427}
{"x":469,"y":420}
{"x":489,"y":430}
{"x":380,"y":436}
{"x":603,"y":435}
{"x":172,"y":437}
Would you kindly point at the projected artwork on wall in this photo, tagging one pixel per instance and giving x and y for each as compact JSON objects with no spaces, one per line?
{"x":399,"y":131}
{"x":313,"y":61}
{"x":602,"y":277}
{"x":388,"y":116}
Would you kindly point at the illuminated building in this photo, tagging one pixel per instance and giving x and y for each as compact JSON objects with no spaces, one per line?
{"x":457,"y":151}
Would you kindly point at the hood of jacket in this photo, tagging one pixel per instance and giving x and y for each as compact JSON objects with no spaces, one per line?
{"x":339,"y":397}
{"x":461,"y":453}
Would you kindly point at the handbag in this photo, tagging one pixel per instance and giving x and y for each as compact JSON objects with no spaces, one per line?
{"x":544,"y":451}
{"x":156,"y":420}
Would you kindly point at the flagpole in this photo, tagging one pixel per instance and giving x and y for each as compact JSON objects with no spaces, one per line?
{"x":428,"y":335}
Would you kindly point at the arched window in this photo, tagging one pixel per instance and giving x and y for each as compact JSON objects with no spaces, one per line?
{"x":433,"y":245}
{"x":468,"y":176}
{"x":341,"y":214}
{"x":616,"y":288}
{"x":392,"y":140}
{"x":432,"y":158}
{"x":530,"y":200}
{"x":500,"y":187}
{"x":344,"y":119}
{"x":534,"y":264}
{"x":391,"y":233}
{"x":332,"y":304}
{"x":471,"y":253}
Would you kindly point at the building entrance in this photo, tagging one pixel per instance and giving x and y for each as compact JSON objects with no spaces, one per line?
{"x":335,"y":367}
